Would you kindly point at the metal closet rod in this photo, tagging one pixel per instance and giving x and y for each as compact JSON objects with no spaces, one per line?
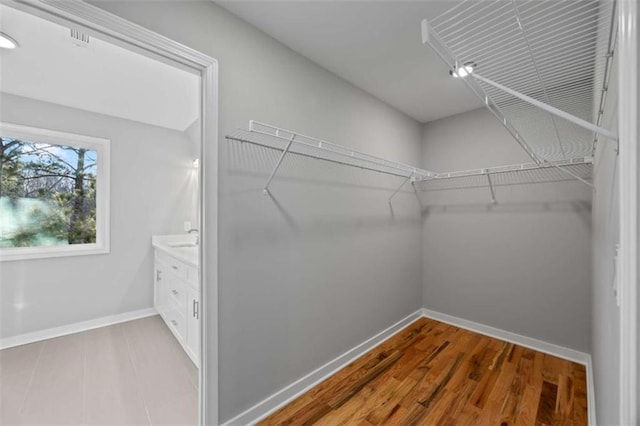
{"x":350,"y":157}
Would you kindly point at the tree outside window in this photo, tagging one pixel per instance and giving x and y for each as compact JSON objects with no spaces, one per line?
{"x":50,"y":196}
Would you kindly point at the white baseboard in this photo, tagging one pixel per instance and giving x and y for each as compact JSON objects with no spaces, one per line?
{"x":591,"y":394}
{"x":528,"y":342}
{"x":302,"y":385}
{"x":518,"y":339}
{"x":274,"y":402}
{"x":23,"y":339}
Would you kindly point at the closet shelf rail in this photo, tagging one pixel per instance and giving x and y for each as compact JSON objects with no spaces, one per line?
{"x":516,"y":174}
{"x":289,"y":142}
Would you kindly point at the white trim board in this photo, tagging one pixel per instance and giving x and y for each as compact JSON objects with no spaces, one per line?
{"x":591,"y":395}
{"x":112,"y":28}
{"x":287,"y":394}
{"x":302,"y":385}
{"x":628,"y":165}
{"x":23,"y":339}
{"x":518,"y":339}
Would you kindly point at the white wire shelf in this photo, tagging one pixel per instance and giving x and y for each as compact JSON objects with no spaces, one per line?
{"x":517,"y":174}
{"x":289,"y":142}
{"x":558,"y":53}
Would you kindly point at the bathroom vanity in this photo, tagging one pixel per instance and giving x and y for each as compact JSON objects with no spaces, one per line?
{"x":177,"y":289}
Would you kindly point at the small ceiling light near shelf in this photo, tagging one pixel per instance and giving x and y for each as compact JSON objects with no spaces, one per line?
{"x":7,"y":42}
{"x":463,"y":71}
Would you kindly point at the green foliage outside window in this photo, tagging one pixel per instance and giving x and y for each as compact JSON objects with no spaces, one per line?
{"x":47,"y":194}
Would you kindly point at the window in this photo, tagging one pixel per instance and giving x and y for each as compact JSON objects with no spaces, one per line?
{"x":54,"y":193}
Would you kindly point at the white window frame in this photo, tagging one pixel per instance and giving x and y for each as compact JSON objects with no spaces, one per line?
{"x":102,"y":147}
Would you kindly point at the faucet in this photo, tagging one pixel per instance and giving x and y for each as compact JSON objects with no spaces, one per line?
{"x":195,"y":231}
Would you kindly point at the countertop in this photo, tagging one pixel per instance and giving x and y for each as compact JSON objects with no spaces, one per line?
{"x":180,"y":246}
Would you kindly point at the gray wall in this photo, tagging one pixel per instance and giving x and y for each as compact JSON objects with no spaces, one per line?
{"x":606,"y":314}
{"x":323,"y":265}
{"x":150,"y":178}
{"x":523,"y":265}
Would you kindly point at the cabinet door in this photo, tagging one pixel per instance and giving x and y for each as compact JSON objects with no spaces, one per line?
{"x":193,"y":323}
{"x":161,"y":278}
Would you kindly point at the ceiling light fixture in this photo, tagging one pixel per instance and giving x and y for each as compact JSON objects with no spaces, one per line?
{"x":463,"y":71}
{"x":7,"y":42}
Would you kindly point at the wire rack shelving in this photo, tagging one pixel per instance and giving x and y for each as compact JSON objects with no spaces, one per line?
{"x":290,"y":142}
{"x":558,"y":54}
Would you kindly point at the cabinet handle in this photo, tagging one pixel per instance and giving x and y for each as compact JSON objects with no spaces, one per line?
{"x":174,"y":322}
{"x":175,"y":292}
{"x":196,"y":313}
{"x":174,"y":267}
{"x":158,"y":275}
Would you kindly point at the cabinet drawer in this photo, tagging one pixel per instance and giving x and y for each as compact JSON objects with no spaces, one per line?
{"x":173,"y":265}
{"x":177,"y":323}
{"x":177,"y":292}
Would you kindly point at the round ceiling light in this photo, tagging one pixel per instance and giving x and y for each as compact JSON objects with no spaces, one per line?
{"x":7,"y":42}
{"x":463,"y":71}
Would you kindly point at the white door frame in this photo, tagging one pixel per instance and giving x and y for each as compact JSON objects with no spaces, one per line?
{"x":109,"y":27}
{"x":628,"y":181}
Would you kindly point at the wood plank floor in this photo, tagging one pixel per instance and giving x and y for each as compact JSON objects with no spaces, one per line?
{"x":433,"y":373}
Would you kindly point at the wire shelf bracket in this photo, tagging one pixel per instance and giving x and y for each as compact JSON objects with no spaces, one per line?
{"x":493,"y":194}
{"x":400,"y":187}
{"x":265,"y":191}
{"x":553,"y":110}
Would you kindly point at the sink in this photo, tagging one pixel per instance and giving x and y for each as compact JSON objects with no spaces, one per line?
{"x":183,"y":247}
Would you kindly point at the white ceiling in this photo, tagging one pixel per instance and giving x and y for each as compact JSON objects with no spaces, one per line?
{"x":101,"y":78}
{"x":376,"y":45}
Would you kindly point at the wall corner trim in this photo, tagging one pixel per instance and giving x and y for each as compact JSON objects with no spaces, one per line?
{"x":628,"y":174}
{"x":287,"y":394}
{"x":23,"y":339}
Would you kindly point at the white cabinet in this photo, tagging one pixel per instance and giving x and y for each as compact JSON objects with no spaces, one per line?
{"x":177,"y":300}
{"x":193,"y":323}
{"x":161,"y":297}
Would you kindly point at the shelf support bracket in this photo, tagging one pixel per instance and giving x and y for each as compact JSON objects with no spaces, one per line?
{"x":415,"y":191}
{"x":404,"y":182}
{"x":265,"y":191}
{"x":493,"y":194}
{"x":550,"y":109}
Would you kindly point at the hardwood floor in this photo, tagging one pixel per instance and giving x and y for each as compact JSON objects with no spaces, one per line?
{"x":433,"y":373}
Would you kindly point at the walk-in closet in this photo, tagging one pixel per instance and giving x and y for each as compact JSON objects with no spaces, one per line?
{"x":380,"y":213}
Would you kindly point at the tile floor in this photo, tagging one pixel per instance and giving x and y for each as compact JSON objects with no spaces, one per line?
{"x":133,"y":373}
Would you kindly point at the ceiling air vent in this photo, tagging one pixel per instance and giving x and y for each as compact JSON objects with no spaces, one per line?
{"x":79,"y":38}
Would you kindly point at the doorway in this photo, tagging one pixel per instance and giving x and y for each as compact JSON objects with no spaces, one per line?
{"x":81,"y":23}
